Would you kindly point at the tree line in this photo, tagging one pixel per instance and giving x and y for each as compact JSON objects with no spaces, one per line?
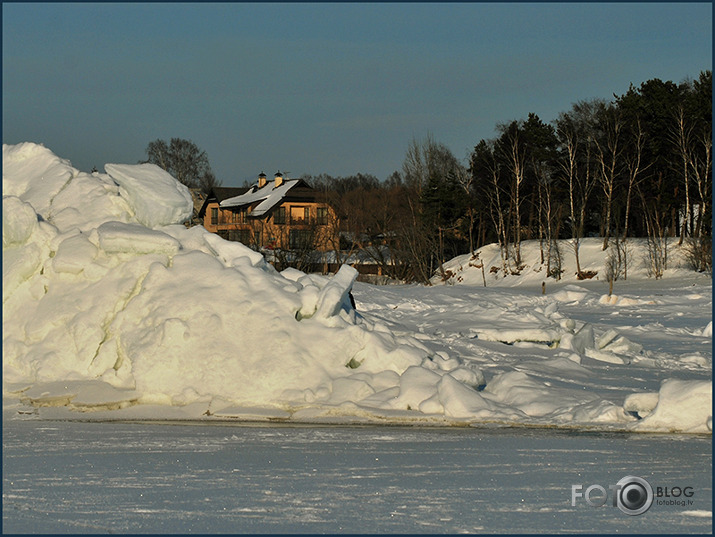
{"x":639,"y":165}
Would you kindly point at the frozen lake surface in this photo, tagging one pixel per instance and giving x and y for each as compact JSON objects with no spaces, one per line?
{"x":114,"y":477}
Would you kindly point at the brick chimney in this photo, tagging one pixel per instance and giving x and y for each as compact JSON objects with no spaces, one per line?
{"x":261,"y":180}
{"x":278,"y":179}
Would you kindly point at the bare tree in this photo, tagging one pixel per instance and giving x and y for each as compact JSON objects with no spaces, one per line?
{"x":184,"y":161}
{"x":513,"y":152}
{"x":415,"y":166}
{"x":575,"y":130}
{"x":695,"y":157}
{"x":634,"y":168}
{"x":465,"y":180}
{"x":608,"y":154}
{"x":657,"y":230}
{"x":681,"y":138}
{"x":486,"y":169}
{"x":430,"y":169}
{"x":701,"y":164}
{"x":570,"y":143}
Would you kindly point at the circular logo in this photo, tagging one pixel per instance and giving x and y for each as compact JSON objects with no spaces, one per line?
{"x":635,"y":495}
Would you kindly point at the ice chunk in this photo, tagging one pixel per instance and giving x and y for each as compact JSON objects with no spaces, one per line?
{"x":544,"y":336}
{"x":470,"y":377}
{"x":606,"y":338}
{"x":230,"y":251}
{"x":116,"y":237}
{"x":34,"y":174}
{"x":623,"y":345}
{"x":683,"y":406}
{"x":417,"y":384}
{"x":335,"y":295}
{"x":101,"y":202}
{"x":74,"y":254}
{"x":580,"y":341}
{"x":80,"y":394}
{"x":292,"y":274}
{"x":532,"y":396}
{"x":18,"y":265}
{"x":641,"y":403}
{"x":570,"y":293}
{"x":696,"y":359}
{"x":350,"y":389}
{"x":607,"y":357}
{"x":19,"y":221}
{"x":156,"y":197}
{"x":459,"y":401}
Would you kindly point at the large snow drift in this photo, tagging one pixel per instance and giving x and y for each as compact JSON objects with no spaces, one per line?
{"x":111,"y":304}
{"x":114,"y":288}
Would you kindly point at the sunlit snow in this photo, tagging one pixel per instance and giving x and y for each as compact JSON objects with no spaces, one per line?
{"x":112,"y":308}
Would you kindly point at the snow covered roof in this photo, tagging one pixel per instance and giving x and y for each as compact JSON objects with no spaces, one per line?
{"x":269,"y":196}
{"x":224,"y":192}
{"x":220,"y":193}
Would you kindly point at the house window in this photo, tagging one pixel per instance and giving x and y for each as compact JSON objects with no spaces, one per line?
{"x":257,"y":239}
{"x":279,"y":216}
{"x":322,"y":216}
{"x":300,"y":239}
{"x":214,"y":216}
{"x":240,"y":235}
{"x":242,"y":215}
{"x":299,"y":215}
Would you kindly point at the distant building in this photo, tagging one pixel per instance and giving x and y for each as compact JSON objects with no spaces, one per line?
{"x":282,"y":214}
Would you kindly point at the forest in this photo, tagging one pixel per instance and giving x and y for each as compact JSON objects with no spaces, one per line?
{"x":637,"y":166}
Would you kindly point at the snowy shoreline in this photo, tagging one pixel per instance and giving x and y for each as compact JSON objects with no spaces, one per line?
{"x":416,"y":424}
{"x":112,"y":307}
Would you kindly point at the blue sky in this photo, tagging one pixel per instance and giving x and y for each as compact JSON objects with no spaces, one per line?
{"x":336,"y":88}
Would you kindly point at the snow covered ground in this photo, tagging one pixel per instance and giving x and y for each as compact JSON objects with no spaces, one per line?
{"x":115,"y":310}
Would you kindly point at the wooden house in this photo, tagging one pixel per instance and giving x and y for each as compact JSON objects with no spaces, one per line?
{"x":282,"y":214}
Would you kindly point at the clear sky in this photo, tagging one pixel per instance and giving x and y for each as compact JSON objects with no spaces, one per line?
{"x":336,"y":88}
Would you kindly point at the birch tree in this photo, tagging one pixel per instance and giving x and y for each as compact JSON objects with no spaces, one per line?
{"x":608,"y":155}
{"x":513,"y":152}
{"x":682,"y":139}
{"x":576,"y":132}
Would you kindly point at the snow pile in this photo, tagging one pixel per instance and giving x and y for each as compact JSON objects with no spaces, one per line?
{"x":117,"y":291}
{"x":112,"y":305}
{"x":679,"y":406}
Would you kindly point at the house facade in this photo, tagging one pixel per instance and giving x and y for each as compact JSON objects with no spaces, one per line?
{"x":282,"y":214}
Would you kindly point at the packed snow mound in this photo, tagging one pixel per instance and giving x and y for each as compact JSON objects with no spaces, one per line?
{"x":102,"y":283}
